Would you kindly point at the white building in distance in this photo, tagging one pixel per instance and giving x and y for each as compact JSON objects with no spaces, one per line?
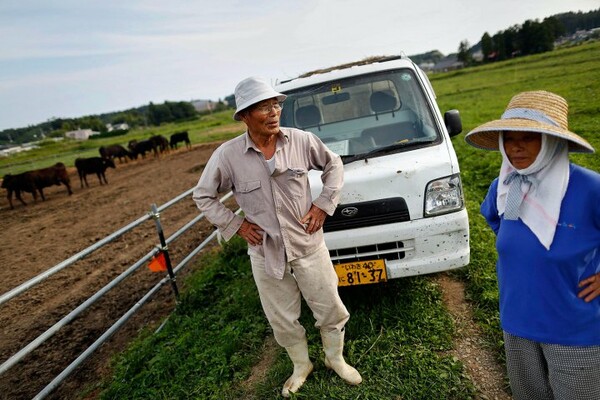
{"x":81,"y":134}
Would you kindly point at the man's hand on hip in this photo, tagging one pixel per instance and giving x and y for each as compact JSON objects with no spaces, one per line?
{"x":251,"y":233}
{"x":313,"y":220}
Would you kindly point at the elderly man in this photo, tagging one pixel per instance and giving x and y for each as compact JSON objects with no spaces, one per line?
{"x":267,"y":169}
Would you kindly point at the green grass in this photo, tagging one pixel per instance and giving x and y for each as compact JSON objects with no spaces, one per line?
{"x":398,"y":340}
{"x":207,"y":345}
{"x":207,"y":128}
{"x":399,"y":343}
{"x":399,"y":334}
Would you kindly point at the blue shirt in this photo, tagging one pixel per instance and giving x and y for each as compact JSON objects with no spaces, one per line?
{"x":538,"y":287}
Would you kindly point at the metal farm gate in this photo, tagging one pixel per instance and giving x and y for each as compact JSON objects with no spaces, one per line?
{"x":161,"y":247}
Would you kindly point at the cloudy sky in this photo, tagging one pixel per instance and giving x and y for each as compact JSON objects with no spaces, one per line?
{"x":70,"y":58}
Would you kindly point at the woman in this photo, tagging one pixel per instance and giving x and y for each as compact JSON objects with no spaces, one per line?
{"x":545,"y":213}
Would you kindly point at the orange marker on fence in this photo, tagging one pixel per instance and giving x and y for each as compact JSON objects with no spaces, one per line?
{"x":158,"y":263}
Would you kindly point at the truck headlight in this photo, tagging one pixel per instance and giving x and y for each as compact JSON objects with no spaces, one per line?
{"x":443,"y":196}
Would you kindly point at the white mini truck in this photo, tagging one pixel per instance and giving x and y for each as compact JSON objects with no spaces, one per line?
{"x":402,"y":209}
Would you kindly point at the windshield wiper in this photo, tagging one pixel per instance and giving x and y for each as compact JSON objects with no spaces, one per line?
{"x":386,"y":149}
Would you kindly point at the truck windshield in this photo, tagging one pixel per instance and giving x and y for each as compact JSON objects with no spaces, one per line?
{"x":363,"y":114}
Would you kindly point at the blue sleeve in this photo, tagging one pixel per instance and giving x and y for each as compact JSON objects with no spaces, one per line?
{"x":588,"y":184}
{"x":596,"y":195}
{"x":489,"y":209}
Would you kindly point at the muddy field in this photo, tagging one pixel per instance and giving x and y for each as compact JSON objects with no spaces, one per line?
{"x":40,"y":235}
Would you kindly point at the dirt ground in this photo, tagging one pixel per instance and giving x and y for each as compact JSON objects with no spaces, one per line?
{"x":40,"y":235}
{"x":469,"y":343}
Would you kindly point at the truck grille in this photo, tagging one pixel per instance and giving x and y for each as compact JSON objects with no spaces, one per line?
{"x":367,"y":213}
{"x":386,"y":251}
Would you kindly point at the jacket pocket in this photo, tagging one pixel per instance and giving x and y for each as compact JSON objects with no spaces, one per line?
{"x":250,"y":196}
{"x":296,"y":182}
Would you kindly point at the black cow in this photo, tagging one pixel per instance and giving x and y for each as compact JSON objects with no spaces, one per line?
{"x":142,"y":147}
{"x":93,"y":165}
{"x":160,"y":142}
{"x":115,"y":150}
{"x":180,"y":137}
{"x":36,"y":180}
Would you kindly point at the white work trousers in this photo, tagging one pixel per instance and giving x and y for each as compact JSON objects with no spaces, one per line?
{"x":314,"y":277}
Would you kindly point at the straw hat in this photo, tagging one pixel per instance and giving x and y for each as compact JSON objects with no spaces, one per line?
{"x":251,"y":91}
{"x":536,"y":111}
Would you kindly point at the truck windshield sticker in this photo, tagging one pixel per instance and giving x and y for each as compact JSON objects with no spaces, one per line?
{"x":336,"y":88}
{"x":406,"y":77}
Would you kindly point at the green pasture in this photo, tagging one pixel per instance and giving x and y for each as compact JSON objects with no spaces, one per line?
{"x":400,"y":333}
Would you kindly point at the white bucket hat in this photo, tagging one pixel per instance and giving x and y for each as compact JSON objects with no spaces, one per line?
{"x":535,"y":111}
{"x":251,"y":91}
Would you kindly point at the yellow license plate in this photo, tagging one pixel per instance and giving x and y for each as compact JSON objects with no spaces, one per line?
{"x":361,"y":272}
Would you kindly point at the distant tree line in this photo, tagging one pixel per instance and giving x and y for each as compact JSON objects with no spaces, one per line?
{"x":170,"y":112}
{"x":574,"y":22}
{"x":530,"y":38}
{"x":150,"y":115}
{"x":230,"y":101}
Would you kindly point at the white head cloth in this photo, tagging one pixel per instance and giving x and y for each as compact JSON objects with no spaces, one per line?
{"x":549,"y":173}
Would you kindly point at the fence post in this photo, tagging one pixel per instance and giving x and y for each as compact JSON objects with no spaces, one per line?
{"x":164,"y":248}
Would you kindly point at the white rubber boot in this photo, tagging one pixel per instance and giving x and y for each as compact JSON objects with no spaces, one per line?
{"x":302,"y":368}
{"x":333,"y":345}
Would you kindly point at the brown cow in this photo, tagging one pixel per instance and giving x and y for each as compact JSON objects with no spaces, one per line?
{"x":54,"y":175}
{"x":17,"y":184}
{"x":38,"y":179}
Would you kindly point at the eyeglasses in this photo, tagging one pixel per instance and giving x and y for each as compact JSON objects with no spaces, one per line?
{"x":267,"y":108}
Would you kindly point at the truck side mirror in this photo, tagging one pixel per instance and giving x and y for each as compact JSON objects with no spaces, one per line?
{"x":453,"y":122}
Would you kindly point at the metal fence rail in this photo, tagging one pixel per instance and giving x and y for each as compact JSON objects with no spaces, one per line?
{"x":154,"y":214}
{"x":109,"y":332}
{"x":102,"y":242}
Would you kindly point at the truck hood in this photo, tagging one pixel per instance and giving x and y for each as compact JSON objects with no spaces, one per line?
{"x":404,"y":174}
